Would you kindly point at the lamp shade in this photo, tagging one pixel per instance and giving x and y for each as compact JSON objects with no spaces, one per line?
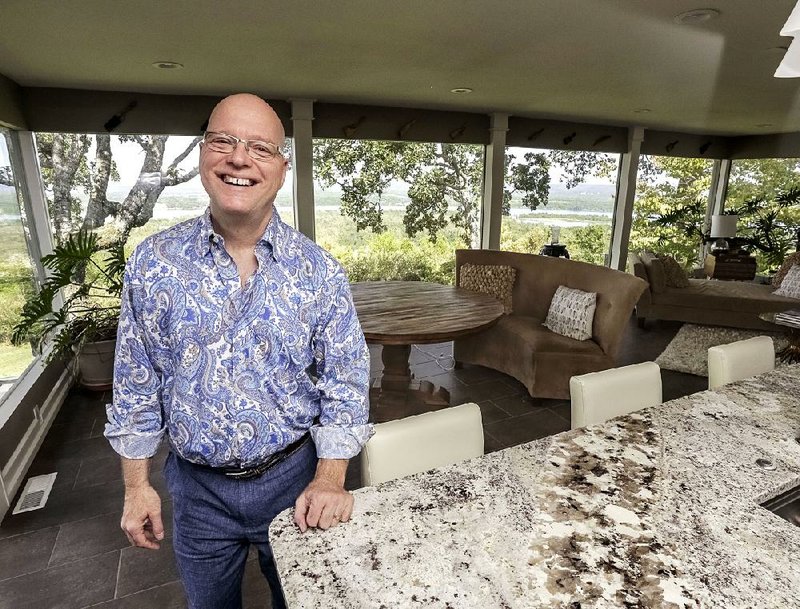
{"x":790,"y":64}
{"x":723,"y":226}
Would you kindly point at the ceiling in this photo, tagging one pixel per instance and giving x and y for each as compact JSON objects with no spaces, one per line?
{"x":622,"y":62}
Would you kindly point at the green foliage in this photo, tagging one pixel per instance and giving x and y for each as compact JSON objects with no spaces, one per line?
{"x":770,"y":226}
{"x":577,"y":165}
{"x":671,"y":188}
{"x":445,"y":182}
{"x":588,"y":243}
{"x":16,"y":276}
{"x":88,"y":277}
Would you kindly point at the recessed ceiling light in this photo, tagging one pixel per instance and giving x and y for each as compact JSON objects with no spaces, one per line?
{"x":460,"y":90}
{"x":642,"y":110}
{"x":699,"y":15}
{"x":167,"y":65}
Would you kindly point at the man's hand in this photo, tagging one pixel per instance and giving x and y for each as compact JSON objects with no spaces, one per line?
{"x":141,"y":514}
{"x":324,"y":503}
{"x":141,"y":517}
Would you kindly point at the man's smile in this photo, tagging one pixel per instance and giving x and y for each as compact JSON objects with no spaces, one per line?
{"x":237,"y":181}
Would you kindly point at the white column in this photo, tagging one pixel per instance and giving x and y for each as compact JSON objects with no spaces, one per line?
{"x":623,"y":206}
{"x":303,"y":165}
{"x":494,"y":176}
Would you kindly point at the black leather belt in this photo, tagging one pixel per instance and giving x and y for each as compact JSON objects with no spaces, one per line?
{"x":243,"y":473}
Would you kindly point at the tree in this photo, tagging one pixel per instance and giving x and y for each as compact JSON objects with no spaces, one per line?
{"x":67,"y":172}
{"x":669,"y":210}
{"x":445,"y":182}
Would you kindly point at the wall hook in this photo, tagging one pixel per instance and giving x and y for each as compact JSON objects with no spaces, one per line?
{"x":456,"y":133}
{"x":350,"y":130}
{"x":116,"y":120}
{"x":535,"y":134}
{"x":705,"y":147}
{"x":570,"y":137}
{"x":671,"y":145}
{"x":405,"y":128}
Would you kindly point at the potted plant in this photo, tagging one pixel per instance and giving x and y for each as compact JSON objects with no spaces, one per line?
{"x":77,"y":309}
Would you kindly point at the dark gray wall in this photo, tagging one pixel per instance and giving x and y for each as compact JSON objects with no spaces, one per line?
{"x":14,"y":429}
{"x":11,"y":114}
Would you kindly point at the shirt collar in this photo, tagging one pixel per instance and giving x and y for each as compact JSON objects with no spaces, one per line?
{"x":273,"y":238}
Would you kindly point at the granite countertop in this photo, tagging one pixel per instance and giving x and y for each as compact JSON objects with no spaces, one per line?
{"x":655,"y":509}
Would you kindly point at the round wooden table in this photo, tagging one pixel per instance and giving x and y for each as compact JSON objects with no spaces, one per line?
{"x":398,"y":314}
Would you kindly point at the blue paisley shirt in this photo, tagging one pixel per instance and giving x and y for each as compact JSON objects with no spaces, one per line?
{"x":221,"y":369}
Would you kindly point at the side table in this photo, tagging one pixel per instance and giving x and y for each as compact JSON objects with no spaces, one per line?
{"x":556,"y":250}
{"x":730,"y":267}
{"x":790,"y":322}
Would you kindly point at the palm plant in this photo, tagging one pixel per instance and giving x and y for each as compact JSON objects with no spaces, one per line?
{"x":80,"y":300}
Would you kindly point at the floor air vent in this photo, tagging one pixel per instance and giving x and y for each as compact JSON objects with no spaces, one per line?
{"x":35,"y":493}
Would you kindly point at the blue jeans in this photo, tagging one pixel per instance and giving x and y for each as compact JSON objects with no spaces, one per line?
{"x":216,"y":518}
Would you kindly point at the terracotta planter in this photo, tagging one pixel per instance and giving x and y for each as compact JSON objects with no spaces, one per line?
{"x":96,"y":365}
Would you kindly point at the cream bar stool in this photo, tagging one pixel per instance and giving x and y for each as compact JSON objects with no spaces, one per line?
{"x":599,"y":396}
{"x":415,"y":444}
{"x":740,"y":360}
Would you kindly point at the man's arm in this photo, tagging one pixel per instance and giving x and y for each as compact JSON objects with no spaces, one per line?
{"x":324,"y":503}
{"x":342,"y":362}
{"x":141,"y":513}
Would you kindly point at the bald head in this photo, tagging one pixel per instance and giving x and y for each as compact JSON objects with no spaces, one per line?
{"x":250,"y":112}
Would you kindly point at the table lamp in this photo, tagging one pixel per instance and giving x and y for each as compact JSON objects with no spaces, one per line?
{"x":723,"y":227}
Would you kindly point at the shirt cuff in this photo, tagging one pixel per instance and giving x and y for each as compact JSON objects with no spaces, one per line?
{"x":134,"y":445}
{"x":334,"y":442}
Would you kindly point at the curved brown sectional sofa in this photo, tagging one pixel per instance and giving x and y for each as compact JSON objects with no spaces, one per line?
{"x":519,"y":345}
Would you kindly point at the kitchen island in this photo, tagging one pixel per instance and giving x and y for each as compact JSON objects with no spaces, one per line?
{"x":660,"y":508}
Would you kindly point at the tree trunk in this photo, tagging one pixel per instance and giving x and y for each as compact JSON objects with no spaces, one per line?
{"x":137,"y":208}
{"x":68,"y":152}
{"x":99,"y":207}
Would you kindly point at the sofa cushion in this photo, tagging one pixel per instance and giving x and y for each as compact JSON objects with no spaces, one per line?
{"x":571,"y":313}
{"x":790,"y":286}
{"x":541,"y":339}
{"x":655,"y":272}
{"x":494,"y":279}
{"x":676,"y":276}
{"x":788,"y":262}
{"x":712,"y":294}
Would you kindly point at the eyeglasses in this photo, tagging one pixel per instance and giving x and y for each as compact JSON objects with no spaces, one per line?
{"x":257,"y":149}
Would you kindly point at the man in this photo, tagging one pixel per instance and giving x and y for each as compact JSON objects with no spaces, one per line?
{"x":221,"y":318}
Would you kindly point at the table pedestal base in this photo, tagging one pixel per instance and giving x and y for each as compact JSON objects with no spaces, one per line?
{"x":790,"y":354}
{"x":398,"y":394}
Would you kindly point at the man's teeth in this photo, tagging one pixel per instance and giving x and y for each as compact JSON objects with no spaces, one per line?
{"x":237,"y":181}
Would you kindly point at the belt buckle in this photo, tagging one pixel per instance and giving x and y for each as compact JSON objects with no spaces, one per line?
{"x":250,"y":472}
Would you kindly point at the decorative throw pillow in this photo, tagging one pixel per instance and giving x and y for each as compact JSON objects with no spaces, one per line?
{"x":655,"y":272}
{"x":788,"y":262}
{"x":675,"y":274}
{"x":571,"y":313}
{"x":790,"y":286}
{"x":494,"y":279}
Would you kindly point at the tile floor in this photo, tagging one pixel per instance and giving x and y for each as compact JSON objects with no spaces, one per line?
{"x":71,"y":554}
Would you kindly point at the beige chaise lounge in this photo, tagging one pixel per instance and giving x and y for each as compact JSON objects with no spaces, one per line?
{"x":736,"y":304}
{"x":519,"y":345}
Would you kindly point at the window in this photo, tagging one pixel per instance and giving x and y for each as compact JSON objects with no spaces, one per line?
{"x":559,"y":196}
{"x":16,"y":268}
{"x":129,"y":186}
{"x":762,"y":192}
{"x":670,"y":207}
{"x":397,"y":210}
